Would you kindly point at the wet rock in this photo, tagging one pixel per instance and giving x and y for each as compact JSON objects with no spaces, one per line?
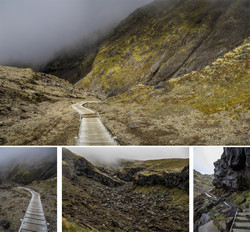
{"x":5,"y":224}
{"x":24,"y":117}
{"x":84,"y":168}
{"x":2,"y":141}
{"x":134,"y":125}
{"x":1,"y":124}
{"x":204,"y":219}
{"x":115,"y":223}
{"x":161,"y":85}
{"x":232,"y":171}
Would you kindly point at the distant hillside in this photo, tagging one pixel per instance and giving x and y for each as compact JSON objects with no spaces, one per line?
{"x":26,"y":170}
{"x":202,"y":183}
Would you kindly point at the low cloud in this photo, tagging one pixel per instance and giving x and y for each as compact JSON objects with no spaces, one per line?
{"x":113,"y":154}
{"x":32,"y":31}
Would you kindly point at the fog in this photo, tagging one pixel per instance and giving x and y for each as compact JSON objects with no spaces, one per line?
{"x":204,"y":158}
{"x":15,"y":155}
{"x":33,"y":31}
{"x":113,"y":154}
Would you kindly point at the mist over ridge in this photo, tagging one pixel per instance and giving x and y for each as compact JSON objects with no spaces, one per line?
{"x":31,"y":32}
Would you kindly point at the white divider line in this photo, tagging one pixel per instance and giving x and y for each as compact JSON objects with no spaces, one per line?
{"x":191,"y":189}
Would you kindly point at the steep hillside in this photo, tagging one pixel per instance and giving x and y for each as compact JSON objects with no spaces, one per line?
{"x":35,"y":108}
{"x":203,"y":107}
{"x":202,"y":183}
{"x":90,"y":204}
{"x":167,"y":39}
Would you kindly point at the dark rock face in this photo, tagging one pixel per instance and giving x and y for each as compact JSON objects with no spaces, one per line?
{"x":232,"y":171}
{"x":179,"y":180}
{"x":129,"y":175}
{"x":78,"y":166}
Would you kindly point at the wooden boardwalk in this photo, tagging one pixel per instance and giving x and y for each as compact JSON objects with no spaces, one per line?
{"x":241,"y":222}
{"x":34,"y":219}
{"x":92,"y":131}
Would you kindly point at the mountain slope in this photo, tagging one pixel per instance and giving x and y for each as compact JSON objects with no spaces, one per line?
{"x":202,"y":183}
{"x":203,"y":107}
{"x":167,"y":39}
{"x":28,"y":169}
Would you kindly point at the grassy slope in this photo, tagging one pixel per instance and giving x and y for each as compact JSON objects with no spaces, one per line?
{"x":197,"y":105}
{"x":158,"y":166}
{"x":223,"y":86}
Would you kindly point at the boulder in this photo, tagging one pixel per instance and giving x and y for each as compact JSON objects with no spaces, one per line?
{"x":204,"y":219}
{"x":5,"y":224}
{"x":208,"y":227}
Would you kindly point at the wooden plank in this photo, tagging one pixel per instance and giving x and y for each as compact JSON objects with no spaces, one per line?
{"x":92,"y":131}
{"x":34,"y":219}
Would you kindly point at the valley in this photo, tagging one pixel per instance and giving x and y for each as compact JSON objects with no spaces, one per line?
{"x":138,"y":196}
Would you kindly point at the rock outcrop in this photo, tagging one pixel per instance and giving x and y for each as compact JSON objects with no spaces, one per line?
{"x":74,"y":166}
{"x":171,"y":180}
{"x":232,"y":171}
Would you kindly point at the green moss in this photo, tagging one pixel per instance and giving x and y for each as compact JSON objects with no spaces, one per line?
{"x":242,"y":199}
{"x":74,"y":227}
{"x":64,"y":163}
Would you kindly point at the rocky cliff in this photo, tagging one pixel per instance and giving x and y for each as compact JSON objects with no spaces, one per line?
{"x":75,"y":166}
{"x":232,"y":171}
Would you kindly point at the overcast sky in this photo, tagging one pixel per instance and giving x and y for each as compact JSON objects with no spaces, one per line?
{"x":204,"y":157}
{"x":14,"y":154}
{"x":110,"y":154}
{"x":31,"y":31}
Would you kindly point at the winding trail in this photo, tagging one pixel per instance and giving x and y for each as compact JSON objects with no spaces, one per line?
{"x":92,"y":131}
{"x":34,"y":219}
